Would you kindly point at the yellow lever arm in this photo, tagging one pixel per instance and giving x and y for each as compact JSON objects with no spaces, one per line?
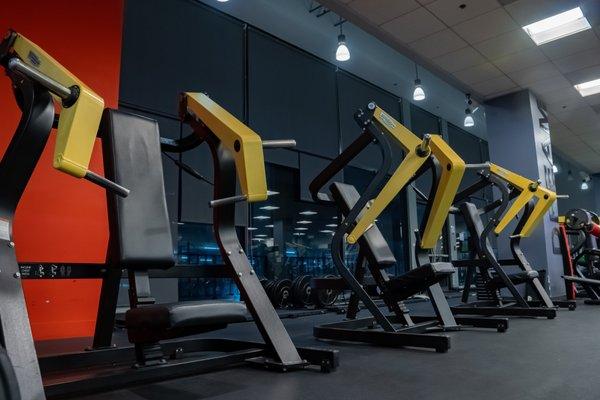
{"x":529,"y":190}
{"x":78,"y":122}
{"x":245,"y":144}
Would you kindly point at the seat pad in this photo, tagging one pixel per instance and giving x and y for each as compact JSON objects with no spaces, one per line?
{"x":163,"y":321}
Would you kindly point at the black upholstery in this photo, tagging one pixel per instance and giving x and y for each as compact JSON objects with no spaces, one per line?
{"x":157,"y":322}
{"x":372,"y":242}
{"x":139,"y":223}
{"x":418,"y":279}
{"x":516,"y":278}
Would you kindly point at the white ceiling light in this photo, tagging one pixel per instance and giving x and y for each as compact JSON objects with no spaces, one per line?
{"x":558,"y":26}
{"x":326,"y":231}
{"x":304,"y":222}
{"x":331,"y":225}
{"x":261,"y":217}
{"x":269,"y":226}
{"x":261,"y":235}
{"x":299,"y":233}
{"x":584,"y":185}
{"x":251,"y":228}
{"x":418,"y":93}
{"x":300,"y":229}
{"x":308,"y":212}
{"x":555,"y":168}
{"x":588,"y":88}
{"x":342,"y":53}
{"x":269,"y":208}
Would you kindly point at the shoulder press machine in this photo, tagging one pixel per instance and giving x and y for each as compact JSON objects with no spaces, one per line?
{"x":360,"y":212}
{"x":490,"y":277}
{"x":140,"y":237}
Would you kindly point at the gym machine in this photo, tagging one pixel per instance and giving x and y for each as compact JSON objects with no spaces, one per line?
{"x":140,"y":238}
{"x":360,"y":212}
{"x":581,"y":255}
{"x":530,"y":199}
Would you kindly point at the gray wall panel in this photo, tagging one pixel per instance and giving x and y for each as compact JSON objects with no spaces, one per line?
{"x":291,"y":95}
{"x":175,"y":46}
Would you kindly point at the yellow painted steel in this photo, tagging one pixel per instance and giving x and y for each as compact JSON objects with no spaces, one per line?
{"x":78,"y":124}
{"x":562,"y":219}
{"x":243,"y":142}
{"x":529,"y":190}
{"x":452,"y":172}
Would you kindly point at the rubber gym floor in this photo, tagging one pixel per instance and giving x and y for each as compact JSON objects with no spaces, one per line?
{"x":534,"y":359}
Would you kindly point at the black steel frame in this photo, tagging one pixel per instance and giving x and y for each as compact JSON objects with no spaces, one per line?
{"x":517,"y":305}
{"x":400,"y":329}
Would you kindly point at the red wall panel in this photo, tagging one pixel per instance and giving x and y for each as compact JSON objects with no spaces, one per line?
{"x":60,"y":218}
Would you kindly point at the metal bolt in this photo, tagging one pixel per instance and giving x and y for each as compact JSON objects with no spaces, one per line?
{"x":241,"y":251}
{"x":17,"y":275}
{"x":251,"y":272}
{"x":228,"y":252}
{"x":240,"y":274}
{"x":11,"y":244}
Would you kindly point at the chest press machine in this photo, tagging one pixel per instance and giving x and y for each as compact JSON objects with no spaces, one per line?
{"x":360,"y":212}
{"x":140,"y":238}
{"x":531,"y":200}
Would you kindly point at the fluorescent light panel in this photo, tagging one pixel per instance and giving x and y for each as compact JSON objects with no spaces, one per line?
{"x":558,"y":26}
{"x":308,"y":212}
{"x":588,"y":88}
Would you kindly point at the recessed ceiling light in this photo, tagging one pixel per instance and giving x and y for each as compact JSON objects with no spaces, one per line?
{"x":251,"y":228}
{"x":588,"y":88}
{"x":269,"y":208}
{"x":299,"y":233}
{"x":558,"y":26}
{"x":261,"y":235}
{"x":269,"y":226}
{"x":331,"y":225}
{"x":308,"y":212}
{"x":258,"y":239}
{"x":304,"y":222}
{"x":300,"y":228}
{"x":326,"y":231}
{"x":262,"y":217}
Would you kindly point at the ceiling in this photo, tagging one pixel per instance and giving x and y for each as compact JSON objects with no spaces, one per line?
{"x":483,"y":49}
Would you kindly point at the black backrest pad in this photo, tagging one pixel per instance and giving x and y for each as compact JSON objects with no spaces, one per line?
{"x":139,"y":224}
{"x":475,"y":226}
{"x":372,"y":242}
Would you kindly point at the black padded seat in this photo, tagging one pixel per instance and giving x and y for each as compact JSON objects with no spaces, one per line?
{"x":141,"y":232}
{"x":152,"y":323}
{"x":418,"y":279}
{"x":372,"y":242}
{"x":516,"y":278}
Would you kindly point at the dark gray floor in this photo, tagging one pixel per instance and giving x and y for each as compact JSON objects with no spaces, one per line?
{"x":535,"y":359}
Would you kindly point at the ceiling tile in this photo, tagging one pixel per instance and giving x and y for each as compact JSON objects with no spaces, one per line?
{"x":566,"y":103}
{"x":533,"y":74}
{"x":581,"y":118}
{"x":551,"y":87}
{"x":520,"y":60}
{"x":528,"y":11}
{"x":501,"y":84}
{"x":505,"y":44}
{"x":380,"y":11}
{"x":571,"y":44}
{"x":460,"y":59}
{"x":577,"y":61}
{"x":486,"y":26}
{"x":414,"y":25}
{"x":584,"y":75}
{"x":478,"y":73}
{"x":450,"y":12}
{"x":439,"y":43}
{"x":594,"y":101}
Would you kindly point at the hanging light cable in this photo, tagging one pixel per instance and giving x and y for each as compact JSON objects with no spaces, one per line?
{"x":342,"y":53}
{"x":418,"y":93}
{"x":469,"y":121}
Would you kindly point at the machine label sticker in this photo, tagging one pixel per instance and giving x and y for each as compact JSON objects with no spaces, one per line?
{"x":4,"y":229}
{"x":35,"y":60}
{"x":387,"y":120}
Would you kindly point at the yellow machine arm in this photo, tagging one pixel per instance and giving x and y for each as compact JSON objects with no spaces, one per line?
{"x":239,"y":139}
{"x":81,"y":107}
{"x":528,"y":190}
{"x":417,"y":151}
